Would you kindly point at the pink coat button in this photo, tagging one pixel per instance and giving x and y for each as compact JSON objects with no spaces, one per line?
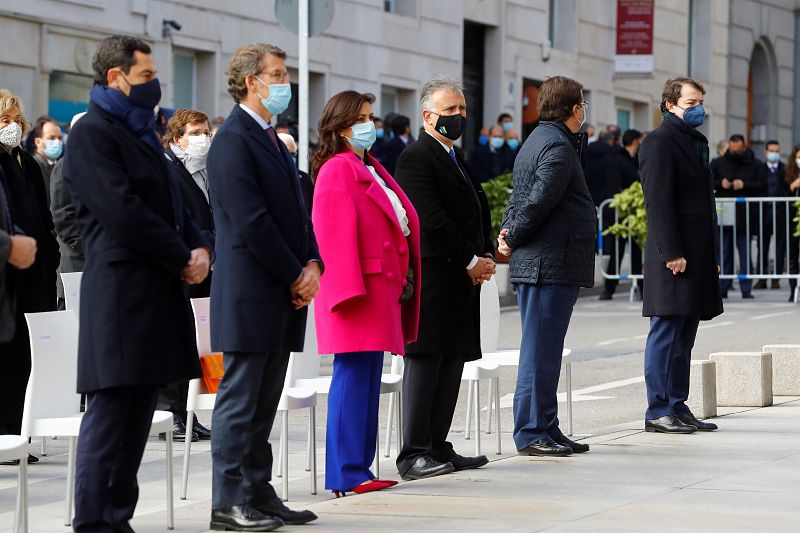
{"x":404,"y":282}
{"x":403,"y":250}
{"x":389,"y":276}
{"x":387,"y":245}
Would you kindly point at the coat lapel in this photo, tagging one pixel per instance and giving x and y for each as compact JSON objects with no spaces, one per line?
{"x":173,"y":160}
{"x":374,"y":190}
{"x":680,"y":139}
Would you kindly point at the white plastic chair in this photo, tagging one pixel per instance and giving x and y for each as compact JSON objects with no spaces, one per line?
{"x":292,"y":398}
{"x":72,"y":290}
{"x":304,"y":372}
{"x":490,"y":333}
{"x":15,"y":447}
{"x":52,"y":407}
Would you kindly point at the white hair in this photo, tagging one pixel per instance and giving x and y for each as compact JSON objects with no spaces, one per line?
{"x":437,"y":84}
{"x":288,"y":140}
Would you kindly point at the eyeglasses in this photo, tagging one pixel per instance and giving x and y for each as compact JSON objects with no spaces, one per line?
{"x":277,"y":76}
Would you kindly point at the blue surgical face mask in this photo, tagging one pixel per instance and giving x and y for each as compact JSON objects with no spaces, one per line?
{"x":363,"y":135}
{"x":513,"y":143}
{"x":53,"y":148}
{"x":773,"y":157}
{"x":483,"y":140}
{"x":379,"y":133}
{"x":694,"y":116}
{"x":280,"y":94}
{"x":507,"y":125}
{"x":496,"y":142}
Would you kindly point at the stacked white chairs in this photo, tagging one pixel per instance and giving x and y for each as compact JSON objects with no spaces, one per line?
{"x":15,"y":447}
{"x":52,"y":407}
{"x":292,"y":398}
{"x":72,"y":290}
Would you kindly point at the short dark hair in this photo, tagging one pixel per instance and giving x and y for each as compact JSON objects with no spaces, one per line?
{"x":606,"y":136}
{"x":736,"y":138}
{"x":771,"y":142}
{"x":502,"y":116}
{"x":629,"y":136}
{"x":399,"y":124}
{"x":38,"y":127}
{"x":557,"y":96}
{"x":674,"y":86}
{"x":116,"y":51}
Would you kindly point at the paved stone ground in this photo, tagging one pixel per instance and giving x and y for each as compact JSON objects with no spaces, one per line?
{"x":745,"y":477}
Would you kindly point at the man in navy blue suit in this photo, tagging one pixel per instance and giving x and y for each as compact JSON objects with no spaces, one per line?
{"x":137,"y":329}
{"x":266,"y":273}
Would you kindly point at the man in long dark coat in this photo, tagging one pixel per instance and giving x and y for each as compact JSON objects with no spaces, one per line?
{"x":681,"y":267}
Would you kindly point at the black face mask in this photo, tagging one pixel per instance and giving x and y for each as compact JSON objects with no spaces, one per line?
{"x":451,"y":126}
{"x":147,"y":94}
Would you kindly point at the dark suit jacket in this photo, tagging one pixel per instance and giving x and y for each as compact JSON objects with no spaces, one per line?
{"x":65,"y":219}
{"x":391,"y":152}
{"x":137,"y":327}
{"x":455,"y":225}
{"x":199,"y":209}
{"x":681,"y":222}
{"x":34,"y":287}
{"x":753,"y":174}
{"x":485,"y":164}
{"x":264,"y":238}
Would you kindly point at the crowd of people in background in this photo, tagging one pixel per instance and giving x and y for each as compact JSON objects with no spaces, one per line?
{"x":144,"y":199}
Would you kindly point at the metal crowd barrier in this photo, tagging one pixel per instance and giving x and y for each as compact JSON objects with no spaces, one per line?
{"x":762,"y":219}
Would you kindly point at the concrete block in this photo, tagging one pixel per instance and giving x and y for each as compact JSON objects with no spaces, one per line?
{"x":703,"y":389}
{"x":744,"y":379}
{"x":785,"y":368}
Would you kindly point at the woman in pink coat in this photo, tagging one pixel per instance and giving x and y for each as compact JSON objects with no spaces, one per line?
{"x":368,"y":302}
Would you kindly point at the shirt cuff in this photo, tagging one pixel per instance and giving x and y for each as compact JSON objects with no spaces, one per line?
{"x":473,"y":262}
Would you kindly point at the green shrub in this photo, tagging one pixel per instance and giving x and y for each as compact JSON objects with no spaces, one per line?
{"x":629,"y":205}
{"x":498,"y":191}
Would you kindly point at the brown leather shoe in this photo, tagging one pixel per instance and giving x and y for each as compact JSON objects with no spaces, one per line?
{"x":760,"y":285}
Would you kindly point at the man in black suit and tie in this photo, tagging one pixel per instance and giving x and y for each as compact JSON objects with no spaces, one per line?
{"x":136,"y":331}
{"x":457,"y":256}
{"x":266,"y":273}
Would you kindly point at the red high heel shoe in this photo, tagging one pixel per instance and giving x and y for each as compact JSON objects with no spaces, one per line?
{"x":375,"y":484}
{"x":369,"y":486}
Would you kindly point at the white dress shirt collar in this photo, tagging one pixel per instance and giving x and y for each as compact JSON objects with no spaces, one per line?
{"x":258,"y":118}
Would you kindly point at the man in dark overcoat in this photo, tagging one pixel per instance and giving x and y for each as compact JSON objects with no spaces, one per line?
{"x":456,"y":259}
{"x":681,"y":268}
{"x":136,"y":325}
{"x":266,"y":273}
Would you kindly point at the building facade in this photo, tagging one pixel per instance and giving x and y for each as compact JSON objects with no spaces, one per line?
{"x":745,"y":52}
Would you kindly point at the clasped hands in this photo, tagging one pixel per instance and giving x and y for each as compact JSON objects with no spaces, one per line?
{"x":483,"y":271}
{"x":737,"y":184}
{"x":196,"y":270}
{"x":306,"y":285}
{"x":502,"y":246}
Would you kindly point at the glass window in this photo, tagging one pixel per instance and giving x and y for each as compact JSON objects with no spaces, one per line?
{"x":69,"y":95}
{"x":406,"y":8}
{"x":183,"y":81}
{"x":388,"y":103}
{"x":623,"y":119}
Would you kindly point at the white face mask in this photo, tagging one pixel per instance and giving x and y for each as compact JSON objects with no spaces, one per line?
{"x":797,"y":162}
{"x":11,"y":135}
{"x":198,"y":146}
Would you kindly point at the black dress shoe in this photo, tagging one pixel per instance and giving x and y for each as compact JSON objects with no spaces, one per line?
{"x":690,"y":419}
{"x":563,"y":440}
{"x":668,"y":424}
{"x":425,"y":467}
{"x":242,"y":518}
{"x":179,"y":432}
{"x":32,"y":459}
{"x":606,"y":296}
{"x":546,"y":447}
{"x":747,"y":295}
{"x":203,"y":433}
{"x":277,"y":509}
{"x":460,"y":462}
